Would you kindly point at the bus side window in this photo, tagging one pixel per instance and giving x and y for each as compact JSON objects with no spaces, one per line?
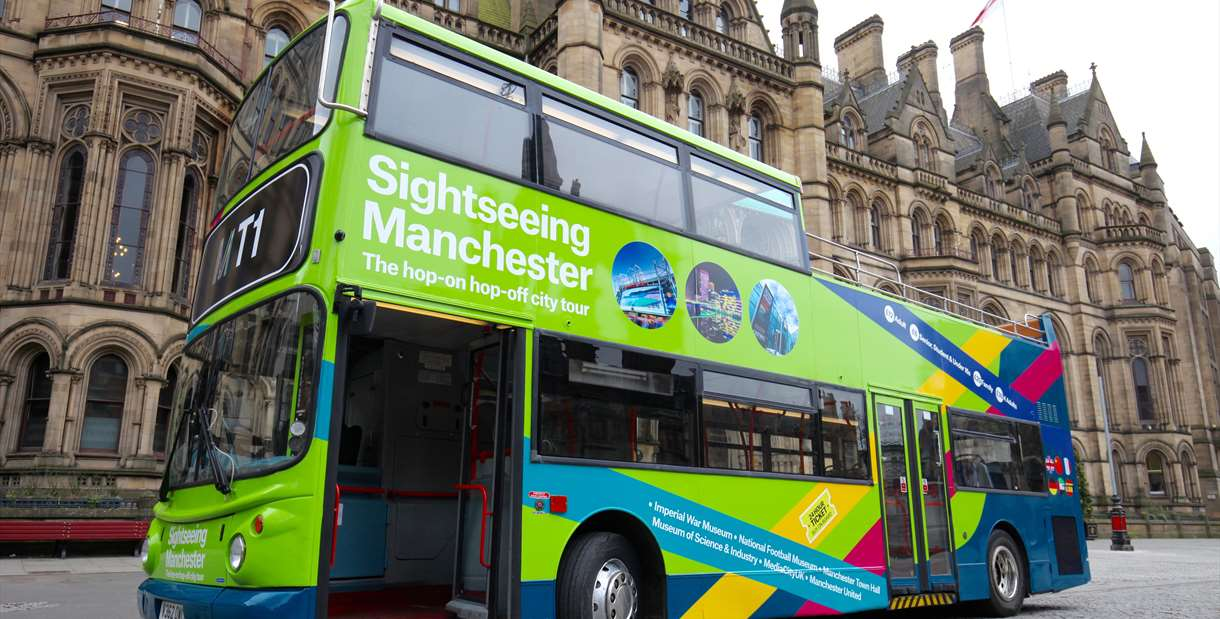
{"x":603,"y":403}
{"x":995,"y":453}
{"x":845,"y":451}
{"x":740,"y":212}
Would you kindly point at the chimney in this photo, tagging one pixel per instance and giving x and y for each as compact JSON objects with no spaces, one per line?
{"x":1053,"y":86}
{"x":967,"y":49}
{"x":923,"y":57}
{"x":859,"y":52}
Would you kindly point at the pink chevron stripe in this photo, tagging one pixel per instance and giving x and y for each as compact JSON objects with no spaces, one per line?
{"x":949,"y":473}
{"x":813,"y":609}
{"x":869,"y":552}
{"x":1040,"y":374}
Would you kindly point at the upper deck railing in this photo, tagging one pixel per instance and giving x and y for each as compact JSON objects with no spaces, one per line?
{"x":884,"y":276}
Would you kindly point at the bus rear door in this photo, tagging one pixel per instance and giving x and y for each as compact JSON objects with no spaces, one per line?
{"x":911,"y":442}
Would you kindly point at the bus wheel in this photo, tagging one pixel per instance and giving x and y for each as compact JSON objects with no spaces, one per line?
{"x":1006,"y":573}
{"x":598,"y":579}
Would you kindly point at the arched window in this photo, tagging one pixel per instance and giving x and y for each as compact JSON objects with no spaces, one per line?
{"x":276,"y":40}
{"x":684,"y":9}
{"x":991,"y":184}
{"x":1090,"y":276}
{"x":1029,"y":195}
{"x":1190,"y":475}
{"x":629,"y":88}
{"x":1143,"y":389}
{"x":1052,"y":274}
{"x":65,"y":214}
{"x":723,"y":18}
{"x":104,"y":402}
{"x":165,"y":403}
{"x":974,"y":248}
{"x":997,"y":247}
{"x":1108,"y":150}
{"x":1155,"y":463}
{"x":37,"y":404}
{"x":754,"y":136}
{"x":1012,"y":265}
{"x":917,"y":225}
{"x":941,"y":236}
{"x":186,"y":234}
{"x":1160,"y":290}
{"x":1126,"y":281}
{"x":694,"y":113}
{"x":1032,"y":262}
{"x":874,"y":226}
{"x":453,"y":5}
{"x":187,"y":18}
{"x":847,"y":130}
{"x":129,"y":222}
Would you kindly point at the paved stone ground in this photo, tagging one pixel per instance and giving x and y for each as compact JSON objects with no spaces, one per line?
{"x":1163,"y":578}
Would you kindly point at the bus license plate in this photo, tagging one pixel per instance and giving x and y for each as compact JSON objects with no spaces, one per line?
{"x":170,"y":610}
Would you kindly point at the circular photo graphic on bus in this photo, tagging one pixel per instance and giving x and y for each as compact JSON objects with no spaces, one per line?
{"x":644,"y":285}
{"x":713,"y":302}
{"x":773,"y":317}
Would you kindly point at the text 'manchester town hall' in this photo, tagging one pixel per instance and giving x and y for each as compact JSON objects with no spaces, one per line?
{"x":113,"y":115}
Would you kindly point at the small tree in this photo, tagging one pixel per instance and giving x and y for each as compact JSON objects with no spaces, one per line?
{"x":1086,"y":499}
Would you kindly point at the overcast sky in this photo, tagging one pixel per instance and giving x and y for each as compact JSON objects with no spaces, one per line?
{"x":1158,"y":63}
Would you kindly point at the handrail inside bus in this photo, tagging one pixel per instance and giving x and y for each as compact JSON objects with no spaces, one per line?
{"x":322,"y":101}
{"x":857,"y":272}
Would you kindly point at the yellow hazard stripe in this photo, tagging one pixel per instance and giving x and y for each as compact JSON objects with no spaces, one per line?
{"x":921,"y":600}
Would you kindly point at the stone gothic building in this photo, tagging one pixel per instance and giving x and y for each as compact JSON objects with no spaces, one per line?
{"x":113,"y":114}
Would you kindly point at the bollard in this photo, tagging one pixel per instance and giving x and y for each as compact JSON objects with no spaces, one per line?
{"x":1119,"y":540}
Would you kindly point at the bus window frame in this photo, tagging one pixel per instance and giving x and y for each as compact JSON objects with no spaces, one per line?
{"x":310,"y":425}
{"x":949,"y":412}
{"x":534,"y":92}
{"x":246,"y":188}
{"x":700,"y":366}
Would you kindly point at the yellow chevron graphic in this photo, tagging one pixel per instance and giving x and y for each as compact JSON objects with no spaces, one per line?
{"x":732,"y":596}
{"x":984,"y":346}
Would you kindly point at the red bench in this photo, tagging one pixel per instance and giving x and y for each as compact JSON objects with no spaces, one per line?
{"x":73,"y":530}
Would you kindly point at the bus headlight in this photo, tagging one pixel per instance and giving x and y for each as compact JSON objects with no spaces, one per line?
{"x":237,"y":552}
{"x":144,"y":552}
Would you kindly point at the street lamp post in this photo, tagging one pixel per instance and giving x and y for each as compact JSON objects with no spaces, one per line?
{"x":1119,"y":540}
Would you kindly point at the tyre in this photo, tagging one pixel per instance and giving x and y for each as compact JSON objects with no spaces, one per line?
{"x":1006,"y":572}
{"x":599,"y":579}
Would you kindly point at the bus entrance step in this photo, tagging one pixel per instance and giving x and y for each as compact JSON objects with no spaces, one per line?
{"x":466,"y":609}
{"x":921,"y":600}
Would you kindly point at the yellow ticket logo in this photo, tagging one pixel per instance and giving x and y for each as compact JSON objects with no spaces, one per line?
{"x":818,"y":515}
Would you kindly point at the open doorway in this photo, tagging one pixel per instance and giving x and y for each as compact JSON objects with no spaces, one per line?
{"x":423,"y":455}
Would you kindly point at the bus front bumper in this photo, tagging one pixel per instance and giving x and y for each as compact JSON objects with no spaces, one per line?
{"x":204,"y":602}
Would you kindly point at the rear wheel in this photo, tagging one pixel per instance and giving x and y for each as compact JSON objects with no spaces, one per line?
{"x":599,"y":578}
{"x":1006,"y":573}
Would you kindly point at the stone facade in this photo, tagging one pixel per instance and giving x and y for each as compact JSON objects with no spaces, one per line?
{"x":1032,"y":206}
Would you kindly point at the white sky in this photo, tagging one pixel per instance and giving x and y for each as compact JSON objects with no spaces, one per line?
{"x":1158,"y":63}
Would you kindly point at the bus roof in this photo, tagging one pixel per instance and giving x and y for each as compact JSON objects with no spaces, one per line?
{"x":593,"y":97}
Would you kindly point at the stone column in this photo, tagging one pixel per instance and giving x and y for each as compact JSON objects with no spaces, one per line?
{"x":579,"y":42}
{"x":148,"y":418}
{"x":10,"y":417}
{"x":62,"y":382}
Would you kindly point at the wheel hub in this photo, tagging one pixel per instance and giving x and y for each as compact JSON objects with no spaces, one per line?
{"x":615,"y":595}
{"x":1005,"y":573}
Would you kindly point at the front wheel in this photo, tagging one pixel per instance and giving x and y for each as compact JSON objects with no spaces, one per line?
{"x":599,"y":578}
{"x":1006,"y":573}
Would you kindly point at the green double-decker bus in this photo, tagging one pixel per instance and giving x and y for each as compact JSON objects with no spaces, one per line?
{"x":470,"y":340}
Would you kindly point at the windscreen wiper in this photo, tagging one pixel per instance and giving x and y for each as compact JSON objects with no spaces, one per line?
{"x":223,"y":484}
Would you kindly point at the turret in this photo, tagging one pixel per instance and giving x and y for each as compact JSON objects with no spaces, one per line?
{"x":799,"y":23}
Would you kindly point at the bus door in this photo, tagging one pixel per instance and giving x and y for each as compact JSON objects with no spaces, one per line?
{"x":483,"y":542}
{"x":911,"y":443}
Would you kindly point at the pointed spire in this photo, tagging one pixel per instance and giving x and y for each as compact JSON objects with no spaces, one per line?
{"x":1146,"y":158}
{"x":1055,"y":117}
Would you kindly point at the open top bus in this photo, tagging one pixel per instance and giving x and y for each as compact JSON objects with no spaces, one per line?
{"x":470,"y":340}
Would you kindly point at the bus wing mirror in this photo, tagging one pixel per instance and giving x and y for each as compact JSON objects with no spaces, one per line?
{"x":355,"y":312}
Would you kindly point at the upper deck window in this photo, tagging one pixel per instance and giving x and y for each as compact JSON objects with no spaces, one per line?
{"x":741,"y":212}
{"x":439,"y":104}
{"x":591,"y":158}
{"x":281,"y":111}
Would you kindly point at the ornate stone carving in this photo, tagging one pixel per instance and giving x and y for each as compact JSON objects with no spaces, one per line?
{"x":142,"y":127}
{"x":76,"y":121}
